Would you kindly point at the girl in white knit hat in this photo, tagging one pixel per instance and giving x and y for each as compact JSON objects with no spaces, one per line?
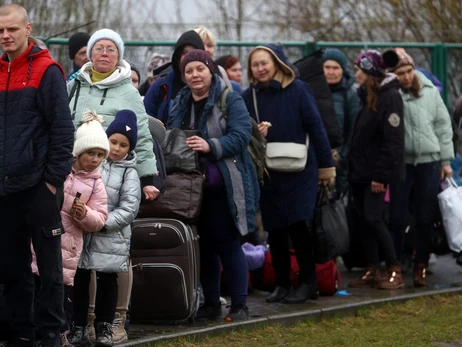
{"x":85,"y":210}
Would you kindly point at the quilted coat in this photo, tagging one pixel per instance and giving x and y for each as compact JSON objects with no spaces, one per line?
{"x":427,"y":126}
{"x":36,"y":130}
{"x":107,"y":250}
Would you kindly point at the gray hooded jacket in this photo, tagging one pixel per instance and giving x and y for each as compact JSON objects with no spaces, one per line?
{"x":108,"y":250}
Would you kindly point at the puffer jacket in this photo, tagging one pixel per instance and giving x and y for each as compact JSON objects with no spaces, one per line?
{"x":93,"y":195}
{"x":107,"y":250}
{"x":106,"y":98}
{"x":36,"y":130}
{"x":427,"y":125}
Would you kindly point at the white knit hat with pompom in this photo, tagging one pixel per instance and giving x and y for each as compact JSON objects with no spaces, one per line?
{"x":90,"y":134}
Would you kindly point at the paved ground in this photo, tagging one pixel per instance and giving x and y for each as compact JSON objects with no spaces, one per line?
{"x":446,"y":277}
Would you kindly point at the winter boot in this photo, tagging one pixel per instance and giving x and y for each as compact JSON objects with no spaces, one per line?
{"x":394,"y":278}
{"x":103,"y":335}
{"x":420,"y":273}
{"x":119,"y":335}
{"x":371,"y":278}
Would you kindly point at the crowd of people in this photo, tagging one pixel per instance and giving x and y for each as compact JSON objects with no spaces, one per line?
{"x":77,"y":161}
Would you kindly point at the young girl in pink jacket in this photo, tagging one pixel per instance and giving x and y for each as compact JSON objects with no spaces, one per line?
{"x":85,"y":207}
{"x":89,"y":212}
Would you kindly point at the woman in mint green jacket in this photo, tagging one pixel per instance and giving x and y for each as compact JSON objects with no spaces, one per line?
{"x":428,"y":151}
{"x":104,"y":85}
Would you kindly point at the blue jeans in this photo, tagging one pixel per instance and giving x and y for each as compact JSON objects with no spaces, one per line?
{"x":32,"y":215}
{"x":426,"y":179}
{"x":219,"y":240}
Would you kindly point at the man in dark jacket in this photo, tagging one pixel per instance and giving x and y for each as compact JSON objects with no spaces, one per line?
{"x":163,"y":91}
{"x":36,"y":138}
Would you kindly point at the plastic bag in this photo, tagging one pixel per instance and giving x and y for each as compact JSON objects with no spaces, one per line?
{"x":450,"y":201}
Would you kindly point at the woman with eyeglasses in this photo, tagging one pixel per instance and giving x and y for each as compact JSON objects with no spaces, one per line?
{"x":104,"y":86}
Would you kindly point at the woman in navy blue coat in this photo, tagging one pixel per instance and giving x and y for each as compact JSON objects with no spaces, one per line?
{"x":231,"y":189}
{"x":288,"y":199}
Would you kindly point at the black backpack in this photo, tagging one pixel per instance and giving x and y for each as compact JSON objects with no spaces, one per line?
{"x":311,"y":72}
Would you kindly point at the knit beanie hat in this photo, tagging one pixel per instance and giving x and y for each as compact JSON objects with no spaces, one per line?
{"x":337,"y":56}
{"x":125,"y":123}
{"x":109,"y":35}
{"x":404,"y":59}
{"x":198,"y":55}
{"x":375,"y":64}
{"x":76,"y":42}
{"x":90,"y":134}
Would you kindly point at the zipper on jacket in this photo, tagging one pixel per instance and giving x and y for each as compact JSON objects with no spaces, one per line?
{"x":4,"y":122}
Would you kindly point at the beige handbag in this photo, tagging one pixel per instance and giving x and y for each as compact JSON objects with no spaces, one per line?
{"x":284,"y":156}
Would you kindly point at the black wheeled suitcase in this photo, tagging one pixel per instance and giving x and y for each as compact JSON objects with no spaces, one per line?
{"x":165,"y":258}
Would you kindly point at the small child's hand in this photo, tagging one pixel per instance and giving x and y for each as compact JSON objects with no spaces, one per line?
{"x":150,"y":192}
{"x":79,"y":209}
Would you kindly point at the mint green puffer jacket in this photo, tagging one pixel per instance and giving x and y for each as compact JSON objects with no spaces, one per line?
{"x":427,"y":124}
{"x":106,"y":98}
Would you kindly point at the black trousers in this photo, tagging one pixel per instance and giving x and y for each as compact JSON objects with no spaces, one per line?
{"x":301,"y":238}
{"x":32,"y":215}
{"x":376,"y":237}
{"x":426,"y":178}
{"x":106,"y":297}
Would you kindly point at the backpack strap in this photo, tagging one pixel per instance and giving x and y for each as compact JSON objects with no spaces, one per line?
{"x":255,"y":106}
{"x":75,"y":87}
{"x":222,"y":106}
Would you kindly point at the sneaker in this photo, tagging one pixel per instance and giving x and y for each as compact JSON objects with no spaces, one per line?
{"x":104,"y":335}
{"x":223,"y":300}
{"x":119,"y":335}
{"x":78,"y":336}
{"x":237,"y":313}
{"x":209,"y":310}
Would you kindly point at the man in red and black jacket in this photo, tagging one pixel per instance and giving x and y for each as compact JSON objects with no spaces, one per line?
{"x":36,"y":139}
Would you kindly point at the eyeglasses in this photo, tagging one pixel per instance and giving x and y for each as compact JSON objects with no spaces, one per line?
{"x":109,"y":50}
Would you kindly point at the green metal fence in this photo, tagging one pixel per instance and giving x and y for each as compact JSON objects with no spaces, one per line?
{"x":443,"y":60}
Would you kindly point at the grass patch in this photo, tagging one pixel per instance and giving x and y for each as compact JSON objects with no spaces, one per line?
{"x":423,"y":322}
